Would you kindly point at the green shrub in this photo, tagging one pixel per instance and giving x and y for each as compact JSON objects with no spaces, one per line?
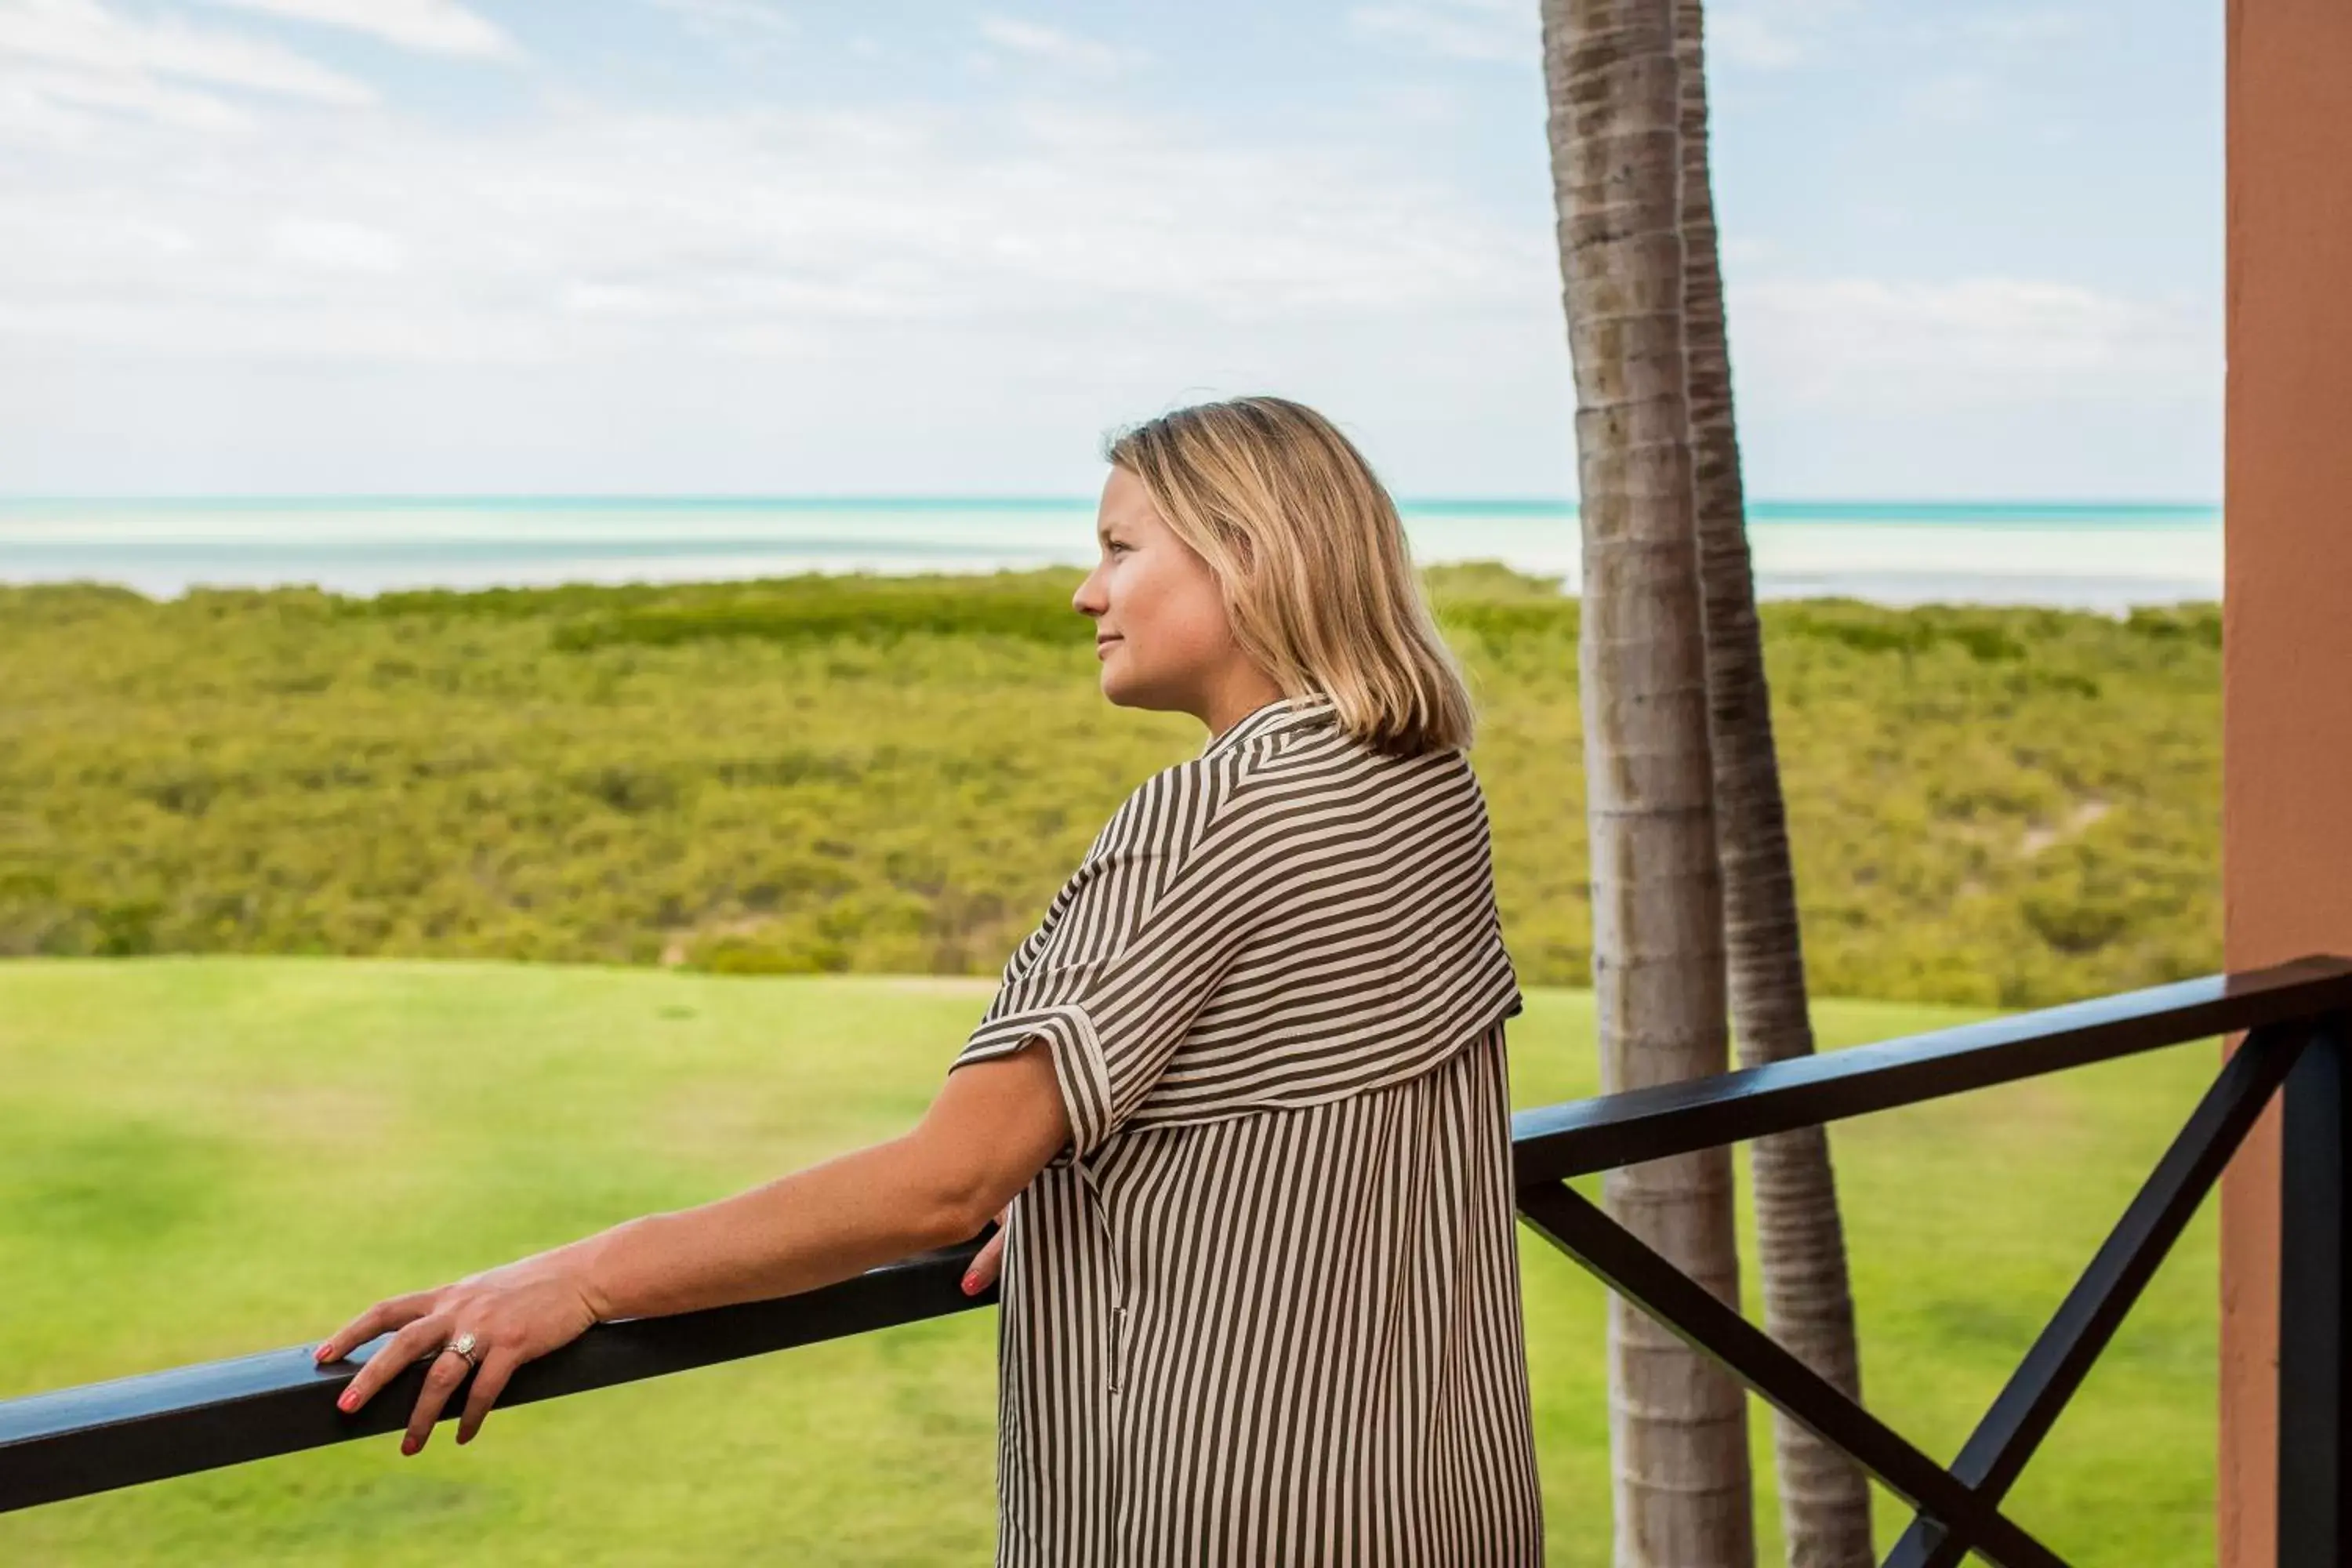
{"x":1988,"y":806}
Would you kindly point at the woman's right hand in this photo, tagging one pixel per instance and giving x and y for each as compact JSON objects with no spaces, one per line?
{"x":984,"y":1263}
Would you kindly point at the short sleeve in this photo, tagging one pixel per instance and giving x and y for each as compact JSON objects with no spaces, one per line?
{"x":1132,"y":949}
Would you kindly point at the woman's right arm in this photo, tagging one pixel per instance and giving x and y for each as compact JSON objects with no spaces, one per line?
{"x":990,"y":1128}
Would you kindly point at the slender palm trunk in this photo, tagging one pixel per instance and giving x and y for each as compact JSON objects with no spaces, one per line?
{"x":1677,"y":1422}
{"x":1808,"y":1307}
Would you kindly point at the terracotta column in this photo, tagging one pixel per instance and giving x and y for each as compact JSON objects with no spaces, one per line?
{"x":2286,"y":814}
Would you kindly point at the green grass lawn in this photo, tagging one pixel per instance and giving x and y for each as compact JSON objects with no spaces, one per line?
{"x":204,"y":1157}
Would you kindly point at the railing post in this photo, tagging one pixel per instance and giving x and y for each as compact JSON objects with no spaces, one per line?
{"x":2314,"y":1417}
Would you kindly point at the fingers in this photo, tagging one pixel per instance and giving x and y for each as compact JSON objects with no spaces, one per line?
{"x":422,"y":1334}
{"x":982,"y":1272}
{"x":441,"y":1379}
{"x":488,"y":1383}
{"x":391,"y":1313}
{"x":987,"y":1261}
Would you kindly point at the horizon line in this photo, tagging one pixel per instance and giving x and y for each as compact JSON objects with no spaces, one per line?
{"x":1002,"y":500}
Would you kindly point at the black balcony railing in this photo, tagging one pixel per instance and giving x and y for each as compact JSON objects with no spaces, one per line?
{"x":2297,"y":1019}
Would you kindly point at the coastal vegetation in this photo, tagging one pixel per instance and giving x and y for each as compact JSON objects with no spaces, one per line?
{"x":1991,"y":807}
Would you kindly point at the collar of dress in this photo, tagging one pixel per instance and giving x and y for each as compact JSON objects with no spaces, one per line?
{"x":1278,"y":714}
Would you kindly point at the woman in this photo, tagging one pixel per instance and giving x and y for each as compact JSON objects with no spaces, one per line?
{"x":1260,"y":1277}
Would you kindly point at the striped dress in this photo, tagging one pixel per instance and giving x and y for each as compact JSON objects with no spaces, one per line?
{"x":1263,"y":1308}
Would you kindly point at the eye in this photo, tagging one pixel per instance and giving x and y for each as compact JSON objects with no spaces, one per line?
{"x":1115,"y":546}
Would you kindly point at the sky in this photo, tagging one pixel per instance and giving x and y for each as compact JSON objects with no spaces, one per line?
{"x":1972,"y":251}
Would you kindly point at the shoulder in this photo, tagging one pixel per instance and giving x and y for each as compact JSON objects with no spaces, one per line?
{"x":1166,"y":813}
{"x":1257,"y":793}
{"x":1173,"y":812}
{"x":1324,"y":768}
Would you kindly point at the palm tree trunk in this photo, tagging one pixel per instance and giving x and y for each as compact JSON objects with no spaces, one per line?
{"x":1808,"y":1307}
{"x":1677,"y":1421}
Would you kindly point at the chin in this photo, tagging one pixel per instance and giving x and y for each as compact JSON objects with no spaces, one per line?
{"x":1121,"y":691}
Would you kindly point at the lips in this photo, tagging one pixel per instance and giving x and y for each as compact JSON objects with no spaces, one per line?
{"x":1102,"y":643}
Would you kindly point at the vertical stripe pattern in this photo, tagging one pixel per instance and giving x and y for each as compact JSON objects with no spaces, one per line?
{"x":1264,"y":1307}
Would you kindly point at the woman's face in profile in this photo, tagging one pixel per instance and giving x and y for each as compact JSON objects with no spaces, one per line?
{"x":1162,"y":635}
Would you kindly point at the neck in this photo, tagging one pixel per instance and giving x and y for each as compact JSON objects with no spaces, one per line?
{"x":1235,"y":700}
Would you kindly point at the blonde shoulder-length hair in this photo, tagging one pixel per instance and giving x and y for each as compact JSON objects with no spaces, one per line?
{"x":1310,"y":554}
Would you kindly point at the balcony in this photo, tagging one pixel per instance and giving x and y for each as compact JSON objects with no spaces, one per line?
{"x":2296,"y":1023}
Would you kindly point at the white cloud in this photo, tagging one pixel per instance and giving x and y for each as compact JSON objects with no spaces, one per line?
{"x":601,"y":232}
{"x":1771,"y":35}
{"x":1931,"y":344}
{"x":1419,"y":103}
{"x":597,"y":295}
{"x":84,"y":56}
{"x":1739,"y":38}
{"x":332,"y":246}
{"x":2025,"y":30}
{"x":43,"y":105}
{"x":1954,"y":98}
{"x":1460,"y":29}
{"x":1056,"y":47}
{"x":759,"y":24}
{"x":765,"y":300}
{"x":430,"y":27}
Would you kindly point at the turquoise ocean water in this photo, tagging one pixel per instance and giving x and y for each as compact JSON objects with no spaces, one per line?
{"x":2088,"y":555}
